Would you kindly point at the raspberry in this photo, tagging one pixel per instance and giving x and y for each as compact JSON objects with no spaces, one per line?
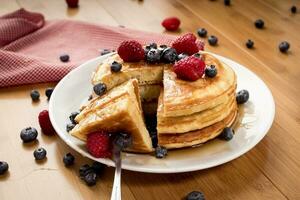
{"x":171,"y":23}
{"x":200,"y":45}
{"x":186,"y":44}
{"x":131,"y":51}
{"x":98,"y":144}
{"x":72,"y":3}
{"x":190,"y":68}
{"x":45,"y":123}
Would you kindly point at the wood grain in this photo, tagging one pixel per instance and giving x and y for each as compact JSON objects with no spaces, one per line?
{"x":269,"y":171}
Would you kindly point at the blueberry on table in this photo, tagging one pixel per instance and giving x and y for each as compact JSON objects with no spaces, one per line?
{"x":202,"y":32}
{"x":153,"y":56}
{"x":35,"y":95}
{"x":161,"y":152}
{"x":68,"y":159}
{"x":64,"y":58}
{"x":195,"y":195}
{"x":40,"y":153}
{"x":293,"y":9}
{"x":98,"y":167}
{"x":73,"y":116}
{"x":226,"y":134}
{"x":84,"y":169}
{"x":259,"y":23}
{"x":242,"y":96}
{"x":284,"y":46}
{"x":227,"y":2}
{"x":3,"y":167}
{"x":212,"y":40}
{"x":100,"y":89}
{"x":48,"y":92}
{"x":211,"y":71}
{"x":249,"y":44}
{"x":169,"y":55}
{"x":90,"y":178}
{"x":70,"y":126}
{"x":115,"y":67}
{"x":28,"y":134}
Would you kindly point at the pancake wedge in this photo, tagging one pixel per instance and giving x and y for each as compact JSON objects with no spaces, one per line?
{"x":192,"y":138}
{"x":184,"y":97}
{"x":115,"y":113}
{"x":145,"y":73}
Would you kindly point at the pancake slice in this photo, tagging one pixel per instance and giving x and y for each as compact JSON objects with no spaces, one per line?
{"x":185,"y":97}
{"x":182,"y":124}
{"x":192,"y":138}
{"x":122,"y":113}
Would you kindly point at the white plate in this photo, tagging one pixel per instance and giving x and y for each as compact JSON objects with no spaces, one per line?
{"x":257,"y":117}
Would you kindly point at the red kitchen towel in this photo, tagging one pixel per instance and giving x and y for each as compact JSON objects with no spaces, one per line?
{"x":30,"y":46}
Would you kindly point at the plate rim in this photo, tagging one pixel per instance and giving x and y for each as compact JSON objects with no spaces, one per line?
{"x":163,"y":170}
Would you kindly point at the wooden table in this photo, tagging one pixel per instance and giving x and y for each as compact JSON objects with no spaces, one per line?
{"x":269,"y":171}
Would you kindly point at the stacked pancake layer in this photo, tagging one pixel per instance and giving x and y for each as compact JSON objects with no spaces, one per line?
{"x":188,"y":113}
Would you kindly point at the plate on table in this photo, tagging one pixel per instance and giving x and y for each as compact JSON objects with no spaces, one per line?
{"x":254,"y":121}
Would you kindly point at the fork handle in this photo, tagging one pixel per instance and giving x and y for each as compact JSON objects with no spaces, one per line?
{"x":116,"y":192}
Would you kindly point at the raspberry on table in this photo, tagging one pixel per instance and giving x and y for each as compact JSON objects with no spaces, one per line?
{"x":131,"y":51}
{"x":190,"y":68}
{"x":45,"y":123}
{"x":171,"y":23}
{"x":186,"y":44}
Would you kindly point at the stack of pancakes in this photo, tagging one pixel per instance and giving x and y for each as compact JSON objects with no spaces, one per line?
{"x":188,"y":113}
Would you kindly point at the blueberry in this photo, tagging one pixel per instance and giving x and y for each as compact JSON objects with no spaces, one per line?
{"x":259,"y":23}
{"x":153,"y":45}
{"x":100,"y":89}
{"x":104,"y":52}
{"x":211,"y":71}
{"x":212,"y":40}
{"x":227,"y":2}
{"x":73,"y":116}
{"x":98,"y":167}
{"x":169,"y":55}
{"x":64,"y":58}
{"x":202,"y":32}
{"x":70,"y":126}
{"x":163,"y":46}
{"x":293,"y":9}
{"x":160,"y":152}
{"x":182,"y":56}
{"x":68,"y":159}
{"x":90,"y":178}
{"x":249,"y":44}
{"x":226,"y":134}
{"x":40,"y":153}
{"x":123,"y":140}
{"x":195,"y":195}
{"x":84,"y":169}
{"x":115,"y":67}
{"x":35,"y":95}
{"x":284,"y":46}
{"x":242,"y":96}
{"x":28,"y":134}
{"x":48,"y":92}
{"x":3,"y":167}
{"x":153,"y":56}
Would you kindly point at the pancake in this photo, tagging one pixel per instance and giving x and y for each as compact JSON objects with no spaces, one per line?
{"x":146,"y":74}
{"x":192,"y":138}
{"x":122,"y":114}
{"x":195,"y":121}
{"x":185,"y":97}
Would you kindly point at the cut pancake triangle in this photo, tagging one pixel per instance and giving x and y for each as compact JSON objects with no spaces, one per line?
{"x":120,"y":110}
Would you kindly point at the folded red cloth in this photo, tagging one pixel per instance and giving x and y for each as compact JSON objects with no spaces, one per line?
{"x":30,"y":46}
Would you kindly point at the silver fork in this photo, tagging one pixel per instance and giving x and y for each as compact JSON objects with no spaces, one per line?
{"x":116,"y":192}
